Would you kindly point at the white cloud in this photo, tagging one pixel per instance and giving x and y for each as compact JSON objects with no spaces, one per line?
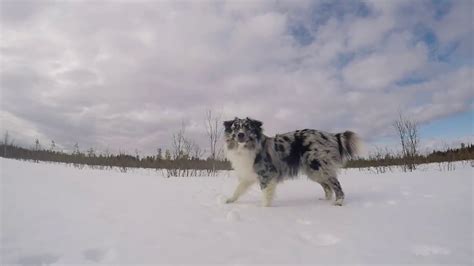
{"x":457,"y":23}
{"x":125,"y":75}
{"x":17,"y":127}
{"x":382,"y":68}
{"x":370,"y":31}
{"x":447,"y":94}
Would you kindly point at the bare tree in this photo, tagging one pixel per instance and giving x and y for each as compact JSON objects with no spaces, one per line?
{"x":197,"y":152}
{"x":409,"y":139}
{"x":177,"y":151}
{"x":159,"y":154}
{"x":91,"y":152}
{"x":53,"y":146}
{"x":214,"y":131}
{"x":183,"y":151}
{"x":76,"y":149}
{"x":37,"y":145}
{"x":137,"y":154}
{"x":192,"y":149}
{"x":6,"y":139}
{"x":168,"y":155}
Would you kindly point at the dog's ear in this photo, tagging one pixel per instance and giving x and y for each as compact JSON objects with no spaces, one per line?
{"x":228,"y":125}
{"x":255,"y":123}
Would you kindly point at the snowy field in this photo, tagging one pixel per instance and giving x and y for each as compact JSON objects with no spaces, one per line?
{"x":54,"y":214}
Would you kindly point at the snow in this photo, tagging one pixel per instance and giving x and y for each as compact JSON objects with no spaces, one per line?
{"x":54,"y":214}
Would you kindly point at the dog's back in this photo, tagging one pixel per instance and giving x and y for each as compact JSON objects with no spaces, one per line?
{"x":317,"y":154}
{"x":292,"y":147}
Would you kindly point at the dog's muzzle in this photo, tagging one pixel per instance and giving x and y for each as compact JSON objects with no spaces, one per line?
{"x":241,"y":137}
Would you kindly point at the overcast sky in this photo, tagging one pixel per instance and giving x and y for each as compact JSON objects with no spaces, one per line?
{"x":124,"y":75}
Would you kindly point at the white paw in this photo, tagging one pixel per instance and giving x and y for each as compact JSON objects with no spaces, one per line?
{"x":230,"y":200}
{"x":339,"y":202}
{"x":221,"y":200}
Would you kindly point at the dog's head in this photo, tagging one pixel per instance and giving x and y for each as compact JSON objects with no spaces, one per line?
{"x":246,"y":131}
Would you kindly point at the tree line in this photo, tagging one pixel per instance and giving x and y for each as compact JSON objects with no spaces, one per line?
{"x":186,"y":158}
{"x":186,"y":165}
{"x":183,"y":163}
{"x":383,"y":160}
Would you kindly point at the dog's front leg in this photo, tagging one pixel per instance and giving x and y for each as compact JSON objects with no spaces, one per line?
{"x":243,"y":186}
{"x":268,"y":189}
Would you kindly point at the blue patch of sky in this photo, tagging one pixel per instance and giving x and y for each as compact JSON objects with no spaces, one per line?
{"x":411,"y":79}
{"x":321,"y":12}
{"x":454,"y":126}
{"x":383,"y":143}
{"x":423,"y":33}
{"x":446,"y":52}
{"x":301,"y":34}
{"x":437,"y":52}
{"x":436,"y":8}
{"x":440,"y":8}
{"x":343,"y":59}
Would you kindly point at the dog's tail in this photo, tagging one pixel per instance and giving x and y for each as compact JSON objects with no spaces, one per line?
{"x":349,"y":145}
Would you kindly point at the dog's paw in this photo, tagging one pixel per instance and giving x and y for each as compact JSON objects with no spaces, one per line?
{"x":229,"y":200}
{"x":338,"y":202}
{"x":324,"y":198}
{"x":220,"y":200}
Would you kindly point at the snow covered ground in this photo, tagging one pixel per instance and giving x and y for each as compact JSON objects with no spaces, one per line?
{"x":57,"y":214}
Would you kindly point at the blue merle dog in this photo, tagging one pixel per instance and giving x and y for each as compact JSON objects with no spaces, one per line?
{"x":269,"y":160}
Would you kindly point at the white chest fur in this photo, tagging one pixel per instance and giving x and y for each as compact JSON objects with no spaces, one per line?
{"x":242,"y":161}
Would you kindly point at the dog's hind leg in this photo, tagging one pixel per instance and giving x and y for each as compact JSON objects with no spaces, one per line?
{"x":327,"y":191}
{"x":336,"y":186}
{"x":243,"y":186}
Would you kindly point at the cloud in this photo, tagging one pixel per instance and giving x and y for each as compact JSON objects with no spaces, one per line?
{"x":126,"y":75}
{"x":446,"y":94}
{"x":382,"y":68}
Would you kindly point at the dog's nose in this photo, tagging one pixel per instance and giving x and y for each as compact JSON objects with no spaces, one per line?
{"x":240,"y":135}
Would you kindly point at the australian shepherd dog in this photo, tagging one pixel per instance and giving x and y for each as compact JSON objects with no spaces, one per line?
{"x":269,"y":160}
